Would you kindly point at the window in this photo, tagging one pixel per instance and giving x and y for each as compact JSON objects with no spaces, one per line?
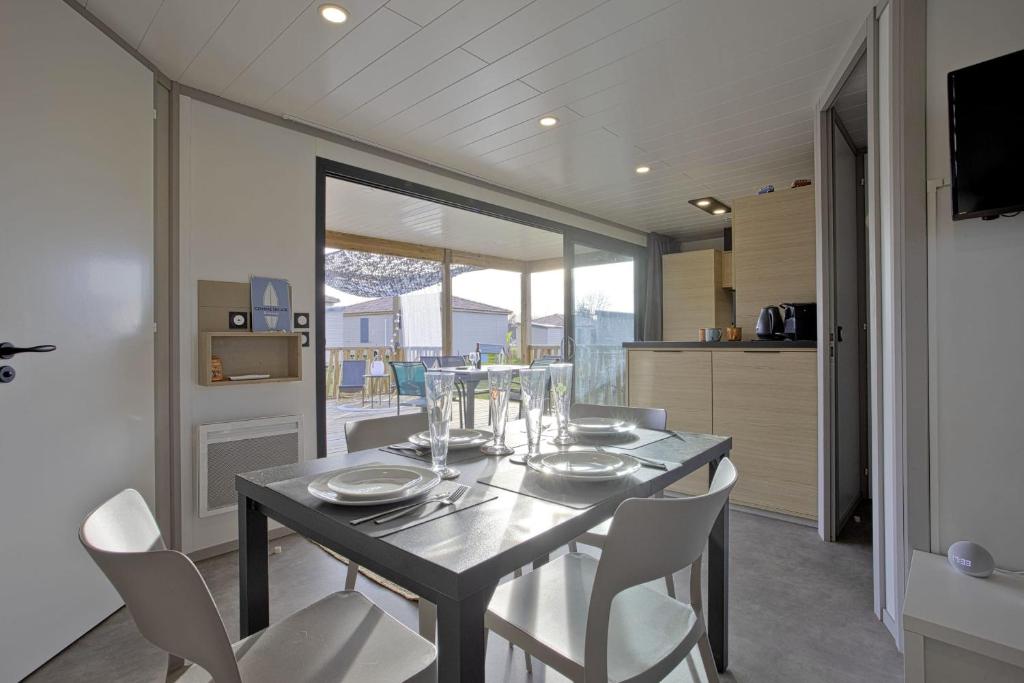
{"x":364,"y":330}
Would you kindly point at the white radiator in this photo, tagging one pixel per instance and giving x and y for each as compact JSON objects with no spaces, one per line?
{"x":225,"y":449}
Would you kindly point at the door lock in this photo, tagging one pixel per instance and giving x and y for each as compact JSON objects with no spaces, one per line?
{"x":6,"y":374}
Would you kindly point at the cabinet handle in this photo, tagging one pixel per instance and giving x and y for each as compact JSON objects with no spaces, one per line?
{"x":762,"y":350}
{"x":667,"y":350}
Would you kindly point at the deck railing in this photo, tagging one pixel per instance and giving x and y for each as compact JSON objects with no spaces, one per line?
{"x":539,"y":351}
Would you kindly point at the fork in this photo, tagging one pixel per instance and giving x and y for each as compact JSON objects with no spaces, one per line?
{"x":450,"y":499}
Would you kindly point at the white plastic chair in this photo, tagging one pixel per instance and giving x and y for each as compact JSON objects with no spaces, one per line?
{"x":594,"y":620}
{"x":646,"y":418}
{"x":343,"y":637}
{"x":362,"y":435}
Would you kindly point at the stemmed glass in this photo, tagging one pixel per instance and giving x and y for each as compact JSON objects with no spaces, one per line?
{"x":500,"y":383}
{"x":561,"y":393}
{"x":533,"y":385}
{"x":439,"y":417}
{"x":474,"y":356}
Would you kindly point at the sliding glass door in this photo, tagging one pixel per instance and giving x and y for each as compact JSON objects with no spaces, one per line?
{"x":601,"y":306}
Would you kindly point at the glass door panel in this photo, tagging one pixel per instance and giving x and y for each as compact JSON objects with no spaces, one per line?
{"x":603,"y":317}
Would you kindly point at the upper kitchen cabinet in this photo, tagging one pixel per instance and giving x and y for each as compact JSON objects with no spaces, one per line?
{"x":773,"y":252}
{"x":692,"y":294}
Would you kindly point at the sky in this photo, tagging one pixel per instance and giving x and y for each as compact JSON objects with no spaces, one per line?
{"x":614,"y":281}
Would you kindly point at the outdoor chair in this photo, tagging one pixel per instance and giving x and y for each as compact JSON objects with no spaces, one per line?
{"x":411,"y":381}
{"x":431,"y":362}
{"x":352,"y":372}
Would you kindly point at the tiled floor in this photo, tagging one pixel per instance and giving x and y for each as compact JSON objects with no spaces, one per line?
{"x":800,"y":612}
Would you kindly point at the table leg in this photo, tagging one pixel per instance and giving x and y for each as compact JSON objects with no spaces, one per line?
{"x":718,"y":585}
{"x":253,"y":577}
{"x":469,"y":409}
{"x":461,"y":645}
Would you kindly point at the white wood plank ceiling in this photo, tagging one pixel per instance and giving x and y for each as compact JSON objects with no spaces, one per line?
{"x":716,"y":96}
{"x":362,"y":210}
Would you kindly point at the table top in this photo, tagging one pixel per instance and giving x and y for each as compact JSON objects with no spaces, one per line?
{"x":466,"y":552}
{"x":982,"y":615}
{"x":480,"y":373}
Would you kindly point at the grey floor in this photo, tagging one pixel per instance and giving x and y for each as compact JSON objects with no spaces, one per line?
{"x":800,"y":611}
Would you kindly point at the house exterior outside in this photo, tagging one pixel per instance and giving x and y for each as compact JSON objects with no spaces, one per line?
{"x":371,"y":323}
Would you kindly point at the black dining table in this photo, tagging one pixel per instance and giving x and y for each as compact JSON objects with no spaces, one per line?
{"x":457,"y":560}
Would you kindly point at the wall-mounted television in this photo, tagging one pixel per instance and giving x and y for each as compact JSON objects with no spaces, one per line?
{"x":986,"y":137}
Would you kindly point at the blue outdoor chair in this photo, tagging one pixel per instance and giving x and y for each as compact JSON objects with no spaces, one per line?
{"x":352,"y":372}
{"x":411,"y":381}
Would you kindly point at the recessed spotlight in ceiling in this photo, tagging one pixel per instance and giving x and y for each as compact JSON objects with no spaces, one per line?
{"x":335,"y":14}
{"x":643,"y":169}
{"x":711,"y":205}
{"x":548,"y":121}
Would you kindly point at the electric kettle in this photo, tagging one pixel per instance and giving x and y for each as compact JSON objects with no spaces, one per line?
{"x":769,"y":323}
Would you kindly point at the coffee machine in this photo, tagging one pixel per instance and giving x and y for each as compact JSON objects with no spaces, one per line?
{"x":800,"y":321}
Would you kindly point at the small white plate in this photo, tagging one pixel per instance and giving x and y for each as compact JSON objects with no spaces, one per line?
{"x":600,"y":426}
{"x":458,"y":439}
{"x":374,"y":481}
{"x":584,"y":465}
{"x":318,"y":488}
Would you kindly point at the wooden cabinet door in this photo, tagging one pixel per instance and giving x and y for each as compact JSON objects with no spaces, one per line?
{"x":692,"y":294}
{"x":767,"y":403}
{"x":680,"y":382}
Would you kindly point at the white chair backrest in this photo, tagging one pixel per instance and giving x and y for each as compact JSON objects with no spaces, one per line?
{"x":650,"y":538}
{"x":162,"y":589}
{"x":363,"y":435}
{"x":647,"y":418}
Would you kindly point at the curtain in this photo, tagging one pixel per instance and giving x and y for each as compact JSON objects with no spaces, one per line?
{"x":657,"y":246}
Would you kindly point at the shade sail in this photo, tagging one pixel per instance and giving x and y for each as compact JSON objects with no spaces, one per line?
{"x":364,"y":274}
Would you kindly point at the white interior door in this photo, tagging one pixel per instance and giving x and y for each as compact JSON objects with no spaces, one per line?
{"x":76,"y":271}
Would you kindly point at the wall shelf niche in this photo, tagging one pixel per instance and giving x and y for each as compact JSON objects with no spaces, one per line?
{"x":241,"y":352}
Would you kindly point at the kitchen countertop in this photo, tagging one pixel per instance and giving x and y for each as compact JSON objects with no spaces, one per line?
{"x":748,"y":345}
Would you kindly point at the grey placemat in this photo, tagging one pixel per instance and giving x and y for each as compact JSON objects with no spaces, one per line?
{"x":409,"y":450}
{"x":638,"y":438}
{"x":575,"y":494}
{"x":515,"y":431}
{"x":297,"y":491}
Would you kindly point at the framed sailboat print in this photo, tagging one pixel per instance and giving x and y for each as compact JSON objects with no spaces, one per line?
{"x":271,"y":304}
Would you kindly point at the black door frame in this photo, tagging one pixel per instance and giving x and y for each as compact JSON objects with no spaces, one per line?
{"x":328,"y":168}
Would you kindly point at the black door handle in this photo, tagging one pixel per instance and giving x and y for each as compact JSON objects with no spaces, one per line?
{"x":9,"y":350}
{"x":839,"y":333}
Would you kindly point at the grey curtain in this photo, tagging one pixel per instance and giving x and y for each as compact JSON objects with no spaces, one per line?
{"x":657,"y":246}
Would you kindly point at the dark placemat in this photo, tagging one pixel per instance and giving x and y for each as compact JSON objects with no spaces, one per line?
{"x":422,"y":455}
{"x":638,"y":438}
{"x":296,"y":489}
{"x":574,"y":494}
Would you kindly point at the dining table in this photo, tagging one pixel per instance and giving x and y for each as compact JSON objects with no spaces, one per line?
{"x":471,"y":377}
{"x":456,"y":559}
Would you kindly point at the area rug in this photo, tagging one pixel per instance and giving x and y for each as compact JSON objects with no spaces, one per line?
{"x":376,"y":578}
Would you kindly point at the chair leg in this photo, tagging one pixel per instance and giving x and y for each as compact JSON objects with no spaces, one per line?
{"x":573,"y":548}
{"x":174,"y":664}
{"x":428,"y":620}
{"x":707,"y":658}
{"x":350,"y":576}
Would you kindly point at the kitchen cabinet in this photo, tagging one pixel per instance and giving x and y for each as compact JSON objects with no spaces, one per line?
{"x":692,"y":294}
{"x":680,"y":382}
{"x":767,"y":402}
{"x":773,"y":237}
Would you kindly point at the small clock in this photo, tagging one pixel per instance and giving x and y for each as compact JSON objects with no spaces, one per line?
{"x":238,"y":320}
{"x":301,"y":321}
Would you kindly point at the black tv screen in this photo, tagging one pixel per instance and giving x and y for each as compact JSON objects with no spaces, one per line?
{"x":986,"y":137}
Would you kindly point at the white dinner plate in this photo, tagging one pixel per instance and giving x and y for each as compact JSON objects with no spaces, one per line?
{"x":374,"y":481}
{"x":600,"y":426}
{"x":318,"y":488}
{"x":458,"y":439}
{"x":588,"y":465}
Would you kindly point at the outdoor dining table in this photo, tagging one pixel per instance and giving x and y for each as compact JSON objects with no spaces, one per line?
{"x":471,"y":377}
{"x":456,"y":561}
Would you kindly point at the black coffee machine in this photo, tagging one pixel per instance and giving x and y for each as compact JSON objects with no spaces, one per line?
{"x":800,"y":321}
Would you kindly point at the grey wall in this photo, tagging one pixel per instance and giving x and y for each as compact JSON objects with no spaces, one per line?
{"x":976,"y":283}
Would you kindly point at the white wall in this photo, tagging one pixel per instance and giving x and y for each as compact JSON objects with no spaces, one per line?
{"x":380,"y":329}
{"x":247,"y":206}
{"x":470,"y":327}
{"x":976,"y":281}
{"x":76,"y":271}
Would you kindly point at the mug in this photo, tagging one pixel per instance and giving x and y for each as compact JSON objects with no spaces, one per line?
{"x":713,"y":334}
{"x":733,"y":333}
{"x":701,"y":334}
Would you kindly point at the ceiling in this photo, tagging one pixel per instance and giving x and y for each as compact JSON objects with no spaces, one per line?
{"x":361,"y":210}
{"x":851,"y":105}
{"x":716,"y":96}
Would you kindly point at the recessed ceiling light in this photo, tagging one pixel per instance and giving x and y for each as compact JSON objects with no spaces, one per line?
{"x":643,"y":169}
{"x":335,"y":14}
{"x":719,"y":211}
{"x":548,"y":121}
{"x":703,"y":202}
